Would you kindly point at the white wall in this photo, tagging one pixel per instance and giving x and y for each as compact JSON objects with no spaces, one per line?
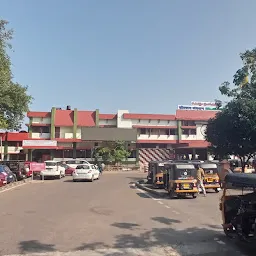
{"x":108,"y":122}
{"x":36,"y":135}
{"x":188,"y":137}
{"x":43,"y":120}
{"x":66,"y":132}
{"x":14,"y":150}
{"x":121,"y":122}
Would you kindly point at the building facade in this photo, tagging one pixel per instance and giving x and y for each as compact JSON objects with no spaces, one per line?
{"x":61,"y":133}
{"x":11,"y":145}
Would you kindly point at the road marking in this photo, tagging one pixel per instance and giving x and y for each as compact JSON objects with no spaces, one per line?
{"x":168,"y":207}
{"x":16,"y":186}
{"x":175,"y":212}
{"x":143,"y":191}
{"x":160,"y":202}
{"x":220,"y":242}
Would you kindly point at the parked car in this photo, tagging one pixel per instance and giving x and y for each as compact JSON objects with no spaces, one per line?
{"x":74,"y":163}
{"x":3,"y":177}
{"x":53,"y":169}
{"x":86,"y":172}
{"x":68,"y":170}
{"x":10,"y":176}
{"x":17,"y":167}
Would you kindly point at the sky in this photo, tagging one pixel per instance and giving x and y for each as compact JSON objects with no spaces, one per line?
{"x":145,"y":56}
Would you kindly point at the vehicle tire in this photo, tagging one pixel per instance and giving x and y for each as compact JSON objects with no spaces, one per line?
{"x":171,"y":194}
{"x":194,"y":195}
{"x":230,"y":233}
{"x":92,"y":179}
{"x":98,"y":177}
{"x":216,"y":190}
{"x":74,"y":180}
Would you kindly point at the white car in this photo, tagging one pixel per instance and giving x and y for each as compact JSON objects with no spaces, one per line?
{"x":53,"y":169}
{"x":86,"y":172}
{"x":74,"y":163}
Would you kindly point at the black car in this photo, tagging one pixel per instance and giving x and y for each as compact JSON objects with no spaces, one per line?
{"x":17,"y":167}
{"x":11,"y":177}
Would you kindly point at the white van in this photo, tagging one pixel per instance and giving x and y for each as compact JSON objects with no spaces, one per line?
{"x":53,"y":169}
{"x":73,"y":163}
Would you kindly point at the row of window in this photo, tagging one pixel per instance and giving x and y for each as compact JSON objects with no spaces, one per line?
{"x":146,"y":131}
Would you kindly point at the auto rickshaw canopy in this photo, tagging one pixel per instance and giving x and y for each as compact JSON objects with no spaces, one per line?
{"x":241,"y":180}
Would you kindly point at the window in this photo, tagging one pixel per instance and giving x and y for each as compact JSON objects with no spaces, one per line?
{"x":188,"y":123}
{"x":143,"y":131}
{"x":83,"y":167}
{"x":167,"y":132}
{"x":189,"y":131}
{"x":192,"y":132}
{"x":51,"y":163}
{"x":172,"y":131}
{"x":40,"y":129}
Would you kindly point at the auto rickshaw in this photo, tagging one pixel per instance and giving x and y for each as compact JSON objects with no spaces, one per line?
{"x":211,"y":178}
{"x":238,"y":206}
{"x":180,"y":179}
{"x":151,"y":166}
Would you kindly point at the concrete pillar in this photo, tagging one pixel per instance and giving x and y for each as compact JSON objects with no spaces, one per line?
{"x":74,"y":150}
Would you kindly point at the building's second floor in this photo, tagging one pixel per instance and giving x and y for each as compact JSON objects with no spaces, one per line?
{"x":67,"y":125}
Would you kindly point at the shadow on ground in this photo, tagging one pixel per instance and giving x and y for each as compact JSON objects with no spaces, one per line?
{"x":199,"y":239}
{"x":34,"y":246}
{"x":192,"y":240}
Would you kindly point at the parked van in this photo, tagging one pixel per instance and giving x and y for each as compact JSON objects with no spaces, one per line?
{"x":53,"y":169}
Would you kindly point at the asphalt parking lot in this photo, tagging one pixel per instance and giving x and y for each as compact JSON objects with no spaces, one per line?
{"x":109,"y":217}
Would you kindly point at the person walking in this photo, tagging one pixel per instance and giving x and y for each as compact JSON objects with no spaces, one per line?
{"x":200,"y":179}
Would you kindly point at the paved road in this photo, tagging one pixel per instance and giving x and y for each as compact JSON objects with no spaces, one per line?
{"x":108,"y":217}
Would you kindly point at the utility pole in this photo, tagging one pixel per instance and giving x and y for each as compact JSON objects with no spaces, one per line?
{"x":1,"y":145}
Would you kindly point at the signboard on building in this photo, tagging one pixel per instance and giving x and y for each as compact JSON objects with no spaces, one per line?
{"x":203,"y":103}
{"x":189,"y":107}
{"x":108,"y":134}
{"x":193,"y":107}
{"x":39,"y":143}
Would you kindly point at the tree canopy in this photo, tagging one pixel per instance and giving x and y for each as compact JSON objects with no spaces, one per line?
{"x":112,"y":152}
{"x":14,"y":98}
{"x":233,"y":130}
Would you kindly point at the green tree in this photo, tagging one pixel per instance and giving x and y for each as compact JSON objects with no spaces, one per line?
{"x":233,"y":130}
{"x":14,"y":99}
{"x":113,"y":152}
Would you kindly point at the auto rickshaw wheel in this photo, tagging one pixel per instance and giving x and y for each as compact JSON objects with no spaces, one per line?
{"x":216,"y":190}
{"x":230,"y":233}
{"x":194,"y":195}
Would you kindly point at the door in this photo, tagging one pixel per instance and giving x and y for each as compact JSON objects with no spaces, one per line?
{"x":57,"y":132}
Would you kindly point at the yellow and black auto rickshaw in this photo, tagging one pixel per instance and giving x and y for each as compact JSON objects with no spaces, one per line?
{"x":155,"y":173}
{"x":180,"y":179}
{"x":238,"y":206}
{"x":211,"y":178}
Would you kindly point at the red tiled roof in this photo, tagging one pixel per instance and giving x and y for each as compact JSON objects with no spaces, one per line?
{"x":148,"y":116}
{"x":107,"y":116}
{"x":14,"y":136}
{"x":38,"y":114}
{"x":155,"y":126}
{"x":64,"y":117}
{"x":86,"y":118}
{"x":195,"y":115}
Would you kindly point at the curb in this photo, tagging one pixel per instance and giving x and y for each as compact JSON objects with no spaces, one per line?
{"x":14,"y":184}
{"x":150,"y":190}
